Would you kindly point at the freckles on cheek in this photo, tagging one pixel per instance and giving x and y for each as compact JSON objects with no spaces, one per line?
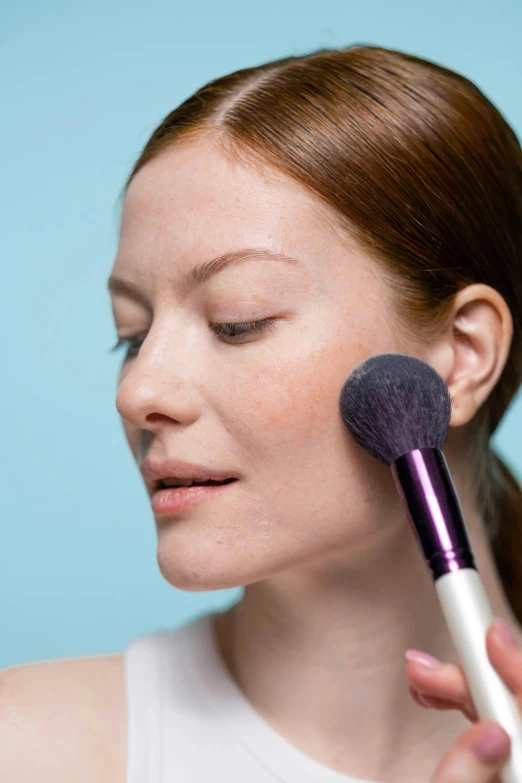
{"x":296,"y":395}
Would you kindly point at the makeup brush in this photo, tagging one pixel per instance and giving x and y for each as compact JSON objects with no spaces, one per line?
{"x":398,"y":408}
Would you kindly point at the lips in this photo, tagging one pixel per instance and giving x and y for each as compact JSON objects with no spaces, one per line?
{"x":173,"y":483}
{"x":156,"y":473}
{"x":175,"y":500}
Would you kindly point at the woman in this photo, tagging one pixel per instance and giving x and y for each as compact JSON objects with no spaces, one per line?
{"x":281,"y":225}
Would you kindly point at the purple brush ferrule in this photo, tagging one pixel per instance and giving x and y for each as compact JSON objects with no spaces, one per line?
{"x":424,"y":483}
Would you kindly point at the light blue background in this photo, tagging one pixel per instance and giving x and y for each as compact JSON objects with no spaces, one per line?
{"x":82,"y":87}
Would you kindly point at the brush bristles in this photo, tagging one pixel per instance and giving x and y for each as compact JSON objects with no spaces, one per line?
{"x":393,"y":403}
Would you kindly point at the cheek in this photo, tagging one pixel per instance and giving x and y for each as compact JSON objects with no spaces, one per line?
{"x":299,"y":451}
{"x":293,"y":393}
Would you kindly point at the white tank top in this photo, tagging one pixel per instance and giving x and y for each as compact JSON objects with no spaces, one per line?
{"x":189,"y":722}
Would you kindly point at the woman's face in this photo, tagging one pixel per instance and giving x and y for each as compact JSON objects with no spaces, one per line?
{"x":265,"y":406}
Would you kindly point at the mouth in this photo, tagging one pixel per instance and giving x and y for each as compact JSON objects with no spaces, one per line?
{"x":178,"y":483}
{"x":169,"y":499}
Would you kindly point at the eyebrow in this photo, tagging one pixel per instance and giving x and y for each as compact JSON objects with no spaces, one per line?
{"x":200,"y":274}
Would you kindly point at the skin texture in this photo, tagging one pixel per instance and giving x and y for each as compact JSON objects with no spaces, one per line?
{"x":336,"y":589}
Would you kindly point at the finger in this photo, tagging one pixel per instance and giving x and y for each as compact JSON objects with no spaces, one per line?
{"x":430,"y":701}
{"x":477,"y":756}
{"x":417,"y":698}
{"x":441,"y":704}
{"x":446,"y":684}
{"x":505,"y":656}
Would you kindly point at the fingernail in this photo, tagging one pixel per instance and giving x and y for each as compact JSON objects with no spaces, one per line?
{"x":492,"y":744}
{"x":423,"y":658}
{"x":505,"y":632}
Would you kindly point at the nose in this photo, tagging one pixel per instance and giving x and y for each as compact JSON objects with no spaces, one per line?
{"x":158,"y":386}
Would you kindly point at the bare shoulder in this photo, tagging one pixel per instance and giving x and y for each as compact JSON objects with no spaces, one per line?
{"x":64,"y":721}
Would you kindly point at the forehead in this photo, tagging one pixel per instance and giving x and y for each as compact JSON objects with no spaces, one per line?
{"x":196,"y":199}
{"x":194,"y":202}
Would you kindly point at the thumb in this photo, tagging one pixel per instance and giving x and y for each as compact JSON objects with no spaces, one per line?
{"x":477,"y":756}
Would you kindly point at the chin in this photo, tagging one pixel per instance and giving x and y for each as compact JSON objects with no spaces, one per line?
{"x":197,"y":571}
{"x":202,"y":565}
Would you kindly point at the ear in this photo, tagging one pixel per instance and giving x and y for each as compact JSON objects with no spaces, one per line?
{"x":473,"y":352}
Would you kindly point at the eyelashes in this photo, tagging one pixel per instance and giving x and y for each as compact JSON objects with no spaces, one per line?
{"x":240,"y":329}
{"x":231,"y":331}
{"x":133,"y":344}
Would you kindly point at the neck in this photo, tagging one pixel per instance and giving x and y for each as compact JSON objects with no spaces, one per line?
{"x":319,"y":652}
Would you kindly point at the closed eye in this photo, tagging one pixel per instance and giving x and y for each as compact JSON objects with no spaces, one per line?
{"x":232,"y":331}
{"x":235,"y":330}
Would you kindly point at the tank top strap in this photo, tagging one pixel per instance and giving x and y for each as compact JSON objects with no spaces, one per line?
{"x":143,"y":680}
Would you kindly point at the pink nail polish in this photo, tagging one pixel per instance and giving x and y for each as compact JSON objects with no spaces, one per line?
{"x":423,"y":658}
{"x":505,"y":632}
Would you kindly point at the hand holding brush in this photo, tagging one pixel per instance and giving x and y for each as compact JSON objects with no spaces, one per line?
{"x":398,"y":408}
{"x":481,"y":752}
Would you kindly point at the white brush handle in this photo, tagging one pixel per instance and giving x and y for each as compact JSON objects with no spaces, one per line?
{"x":468,"y":615}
